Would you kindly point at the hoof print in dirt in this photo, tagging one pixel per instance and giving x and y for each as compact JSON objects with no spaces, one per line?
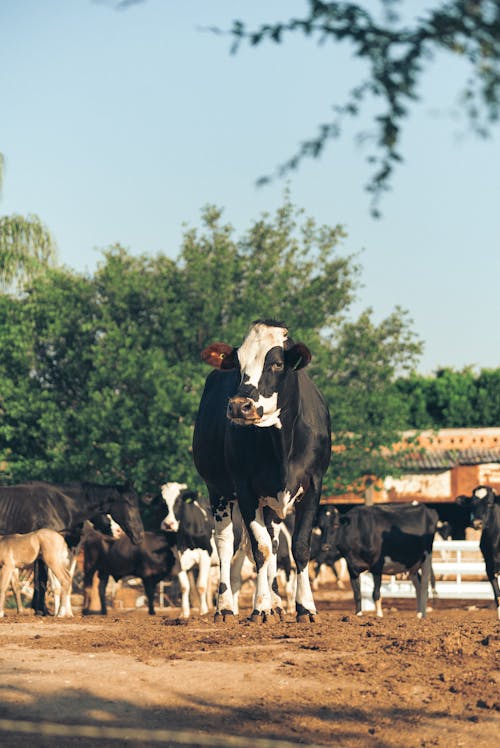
{"x":175,"y":621}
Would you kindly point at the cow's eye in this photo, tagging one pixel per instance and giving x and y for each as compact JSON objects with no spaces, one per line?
{"x":277,"y":365}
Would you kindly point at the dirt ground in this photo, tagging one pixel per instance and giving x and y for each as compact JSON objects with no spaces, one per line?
{"x":130,"y":679}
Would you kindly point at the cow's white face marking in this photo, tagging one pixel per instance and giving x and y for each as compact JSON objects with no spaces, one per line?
{"x":283,"y":504}
{"x":116,"y":530}
{"x":252,"y":354}
{"x":480,"y":493}
{"x":170,"y":492}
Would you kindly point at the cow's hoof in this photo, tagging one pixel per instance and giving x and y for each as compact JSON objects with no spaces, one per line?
{"x":306,"y":617}
{"x":93,"y":613}
{"x":225,"y":616}
{"x":256,"y":617}
{"x":264,"y":616}
{"x":280,"y":614}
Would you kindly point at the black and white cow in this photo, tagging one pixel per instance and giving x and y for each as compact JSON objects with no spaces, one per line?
{"x":483,"y":509}
{"x":262,"y":438}
{"x":189,"y":517}
{"x":385,"y":539}
{"x":324,"y":555}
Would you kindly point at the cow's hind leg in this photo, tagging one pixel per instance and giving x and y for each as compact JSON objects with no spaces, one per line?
{"x":16,"y":589}
{"x":377,"y":583}
{"x":301,"y":550}
{"x":272,"y":568}
{"x":421,"y":583}
{"x":262,"y":552}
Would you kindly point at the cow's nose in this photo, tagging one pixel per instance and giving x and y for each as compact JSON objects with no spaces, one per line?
{"x":242,"y":408}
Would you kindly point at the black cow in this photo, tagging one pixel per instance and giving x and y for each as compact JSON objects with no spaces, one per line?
{"x":389,"y":539}
{"x":152,"y":560}
{"x":188,"y":515}
{"x":37,"y":504}
{"x":262,"y":438}
{"x":483,"y":509}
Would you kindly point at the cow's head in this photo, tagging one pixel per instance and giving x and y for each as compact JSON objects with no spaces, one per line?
{"x":266,"y":359}
{"x":478,"y":505}
{"x":328,"y":522}
{"x":124,"y":509}
{"x":171,"y":494}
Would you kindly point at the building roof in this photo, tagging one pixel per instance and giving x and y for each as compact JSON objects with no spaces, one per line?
{"x":445,"y":459}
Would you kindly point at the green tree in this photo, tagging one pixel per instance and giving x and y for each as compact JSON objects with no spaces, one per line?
{"x":397,"y":53}
{"x":360,"y":369}
{"x":452,"y":399}
{"x":46,"y":338}
{"x":488,"y":398}
{"x":101,"y":377}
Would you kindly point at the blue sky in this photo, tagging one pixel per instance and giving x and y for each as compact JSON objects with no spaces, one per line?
{"x":121,"y":126}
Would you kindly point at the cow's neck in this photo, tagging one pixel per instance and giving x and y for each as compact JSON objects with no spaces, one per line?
{"x":94,"y":501}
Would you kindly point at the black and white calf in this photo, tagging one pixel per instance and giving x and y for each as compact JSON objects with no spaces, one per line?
{"x":483,"y":509}
{"x":262,"y":438}
{"x":189,"y":517}
{"x":385,"y":539}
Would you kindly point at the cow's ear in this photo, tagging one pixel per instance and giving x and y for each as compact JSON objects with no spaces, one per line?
{"x":220,"y":356}
{"x":345,"y":519}
{"x":297,"y":356}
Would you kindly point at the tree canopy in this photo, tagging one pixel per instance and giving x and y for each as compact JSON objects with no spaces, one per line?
{"x":397,"y":49}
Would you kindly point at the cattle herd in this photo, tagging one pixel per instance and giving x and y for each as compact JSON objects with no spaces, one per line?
{"x":261,"y":445}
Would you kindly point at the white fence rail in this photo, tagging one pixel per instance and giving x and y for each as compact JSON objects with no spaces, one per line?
{"x":460,"y":575}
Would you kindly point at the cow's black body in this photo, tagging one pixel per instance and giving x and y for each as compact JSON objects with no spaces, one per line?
{"x":268,"y":468}
{"x":152,"y":560}
{"x":483,"y":510}
{"x":387,"y":539}
{"x":35,"y":505}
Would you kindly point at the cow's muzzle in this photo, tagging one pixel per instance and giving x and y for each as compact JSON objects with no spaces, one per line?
{"x":242,"y":410}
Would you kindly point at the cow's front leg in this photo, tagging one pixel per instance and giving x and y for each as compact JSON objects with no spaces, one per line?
{"x":492,"y":575}
{"x":185,"y":589}
{"x":224,"y":542}
{"x":356,"y":591}
{"x":202,"y":581}
{"x":420,"y":581}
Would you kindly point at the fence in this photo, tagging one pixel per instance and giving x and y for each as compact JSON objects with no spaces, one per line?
{"x":459,"y":570}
